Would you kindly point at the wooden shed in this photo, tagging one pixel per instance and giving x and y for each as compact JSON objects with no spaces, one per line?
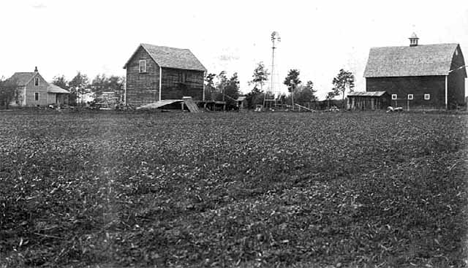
{"x":156,"y":73}
{"x":420,"y":76}
{"x":368,"y":100}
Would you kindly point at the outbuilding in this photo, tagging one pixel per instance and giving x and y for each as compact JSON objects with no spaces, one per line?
{"x":368,"y":100}
{"x":156,"y":73}
{"x":418,"y":76}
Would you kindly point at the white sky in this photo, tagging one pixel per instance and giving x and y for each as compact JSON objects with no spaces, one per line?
{"x":319,"y":38}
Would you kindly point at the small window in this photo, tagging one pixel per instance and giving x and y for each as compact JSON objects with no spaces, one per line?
{"x":142,"y":66}
{"x":456,"y":52}
{"x":36,"y":81}
{"x":36,"y":96}
{"x":394,"y":96}
{"x":427,"y":96}
{"x":182,"y":77}
{"x":410,"y":96}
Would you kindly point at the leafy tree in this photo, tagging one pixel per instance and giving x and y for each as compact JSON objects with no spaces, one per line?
{"x":231,"y":91}
{"x":254,"y":97}
{"x":343,"y":82}
{"x":210,"y":86}
{"x":101,"y":83}
{"x":305,"y":94}
{"x":221,"y":86}
{"x":8,"y":92}
{"x":260,"y":76}
{"x":329,"y":97}
{"x":292,"y":81}
{"x":61,"y":81}
{"x":78,"y":86}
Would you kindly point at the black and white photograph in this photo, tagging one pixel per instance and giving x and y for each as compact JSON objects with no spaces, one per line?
{"x":286,"y":134}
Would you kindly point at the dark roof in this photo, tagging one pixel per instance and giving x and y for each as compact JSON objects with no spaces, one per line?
{"x":421,"y":60}
{"x":367,"y":94}
{"x":22,"y":78}
{"x":169,"y":57}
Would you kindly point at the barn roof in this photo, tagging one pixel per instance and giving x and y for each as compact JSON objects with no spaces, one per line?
{"x":421,"y":60}
{"x":367,"y":94}
{"x":169,"y":57}
{"x":22,"y":78}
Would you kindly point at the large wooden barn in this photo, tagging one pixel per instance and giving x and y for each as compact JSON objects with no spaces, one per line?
{"x":156,"y":73}
{"x":418,"y":76}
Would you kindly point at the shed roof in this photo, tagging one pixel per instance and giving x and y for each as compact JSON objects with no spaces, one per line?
{"x":22,"y":78}
{"x":56,"y":89}
{"x":367,"y":94}
{"x":169,"y":57}
{"x":421,"y":60}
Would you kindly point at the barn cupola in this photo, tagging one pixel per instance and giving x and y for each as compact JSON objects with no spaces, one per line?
{"x":413,"y":40}
{"x":35,"y":69}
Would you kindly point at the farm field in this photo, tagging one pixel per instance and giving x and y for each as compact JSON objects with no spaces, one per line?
{"x":108,"y":189}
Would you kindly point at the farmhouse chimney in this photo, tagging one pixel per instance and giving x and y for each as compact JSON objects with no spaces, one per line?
{"x":413,"y":40}
{"x":35,"y":69}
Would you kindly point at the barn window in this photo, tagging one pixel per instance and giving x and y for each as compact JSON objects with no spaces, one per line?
{"x":142,"y":66}
{"x":410,"y":96}
{"x":36,"y":81}
{"x":36,"y":96}
{"x":394,"y":96}
{"x":427,"y":96}
{"x":456,"y":52}
{"x":182,"y":77}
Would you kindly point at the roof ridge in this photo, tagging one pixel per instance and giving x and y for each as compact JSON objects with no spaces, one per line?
{"x":422,"y":45}
{"x":146,"y":44}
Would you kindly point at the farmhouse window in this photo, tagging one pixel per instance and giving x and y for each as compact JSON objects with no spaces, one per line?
{"x":142,"y":66}
{"x":36,"y":96}
{"x":36,"y":81}
{"x":410,"y":96}
{"x":427,"y":96}
{"x":394,"y":96}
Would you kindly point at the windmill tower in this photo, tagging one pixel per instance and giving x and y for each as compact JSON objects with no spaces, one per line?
{"x":273,"y":92}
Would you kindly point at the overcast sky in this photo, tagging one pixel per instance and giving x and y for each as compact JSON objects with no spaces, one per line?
{"x":319,"y":38}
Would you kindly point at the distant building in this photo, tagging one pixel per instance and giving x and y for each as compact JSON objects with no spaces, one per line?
{"x":418,"y":76}
{"x":157,"y":73}
{"x":373,"y":100}
{"x":33,"y":90}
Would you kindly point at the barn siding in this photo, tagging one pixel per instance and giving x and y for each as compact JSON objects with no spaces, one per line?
{"x":142,"y":88}
{"x":417,"y":85}
{"x":174,"y":86}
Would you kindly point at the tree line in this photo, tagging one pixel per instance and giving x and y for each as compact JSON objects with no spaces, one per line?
{"x":299,"y":93}
{"x":80,"y":85}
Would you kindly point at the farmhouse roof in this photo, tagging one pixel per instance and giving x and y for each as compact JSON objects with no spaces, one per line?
{"x":367,"y":94}
{"x":420,"y":60}
{"x":22,"y":78}
{"x":169,"y":57}
{"x":56,"y":89}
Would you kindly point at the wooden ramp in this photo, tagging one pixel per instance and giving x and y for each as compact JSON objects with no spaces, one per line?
{"x":158,"y":104}
{"x":303,"y":107}
{"x":191,"y":105}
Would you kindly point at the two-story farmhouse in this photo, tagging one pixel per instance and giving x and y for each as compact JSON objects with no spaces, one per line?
{"x":156,"y":73}
{"x":33,"y":90}
{"x":418,"y":76}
